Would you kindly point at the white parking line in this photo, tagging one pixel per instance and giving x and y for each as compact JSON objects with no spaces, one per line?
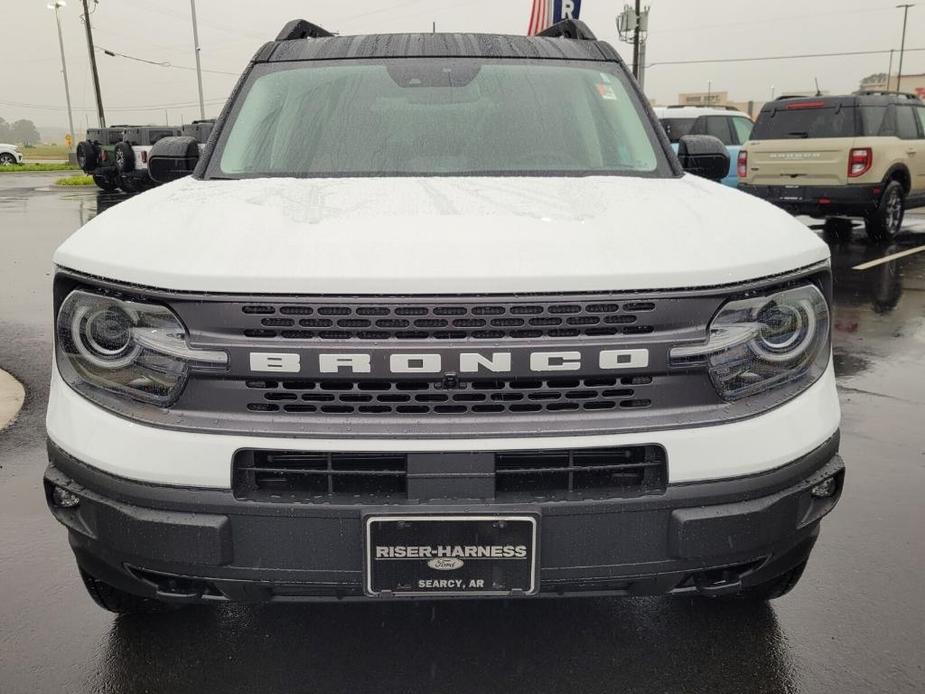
{"x":888,"y":258}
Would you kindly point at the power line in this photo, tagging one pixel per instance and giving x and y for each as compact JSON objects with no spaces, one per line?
{"x":775,"y":57}
{"x":159,"y":63}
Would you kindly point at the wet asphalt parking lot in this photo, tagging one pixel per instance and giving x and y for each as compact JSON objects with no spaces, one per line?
{"x":856,"y":622}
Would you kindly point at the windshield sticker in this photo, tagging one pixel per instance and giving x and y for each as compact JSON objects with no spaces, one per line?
{"x":606,"y":92}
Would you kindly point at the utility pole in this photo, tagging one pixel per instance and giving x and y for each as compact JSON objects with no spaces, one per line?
{"x":96,"y":76}
{"x":636,"y":35}
{"x":633,"y":25}
{"x":889,"y":71}
{"x":56,"y":5}
{"x":902,"y":47}
{"x":641,"y":77}
{"x":202,"y":104}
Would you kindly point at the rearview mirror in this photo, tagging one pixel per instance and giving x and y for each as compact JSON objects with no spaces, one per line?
{"x":705,"y":156}
{"x":172,"y":158}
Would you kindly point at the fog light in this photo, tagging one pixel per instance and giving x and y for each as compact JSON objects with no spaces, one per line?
{"x":824,"y":489}
{"x":62,"y":498}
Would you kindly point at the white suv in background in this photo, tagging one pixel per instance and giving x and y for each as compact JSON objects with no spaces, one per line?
{"x":9,"y":155}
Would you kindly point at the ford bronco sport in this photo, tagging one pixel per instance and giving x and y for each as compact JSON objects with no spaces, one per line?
{"x":440,"y":316}
{"x":834,"y":157}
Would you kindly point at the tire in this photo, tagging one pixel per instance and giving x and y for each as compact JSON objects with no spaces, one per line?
{"x":885,"y":223}
{"x":838,"y":229}
{"x":127,"y":183}
{"x":7,"y":159}
{"x":124,"y":158}
{"x":120,"y":602}
{"x":105,"y":183}
{"x":87,"y":156}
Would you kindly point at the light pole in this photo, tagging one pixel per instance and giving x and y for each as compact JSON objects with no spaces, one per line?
{"x":902,"y":47}
{"x":96,"y":75}
{"x":202,"y":105}
{"x":57,"y":5}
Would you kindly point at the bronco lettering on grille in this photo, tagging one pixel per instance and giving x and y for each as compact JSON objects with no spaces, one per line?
{"x":436,"y":363}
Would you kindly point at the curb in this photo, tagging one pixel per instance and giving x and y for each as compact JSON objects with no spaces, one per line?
{"x":14,"y":172}
{"x":12,"y":395}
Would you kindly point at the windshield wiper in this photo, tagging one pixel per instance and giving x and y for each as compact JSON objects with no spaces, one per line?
{"x":799,"y":134}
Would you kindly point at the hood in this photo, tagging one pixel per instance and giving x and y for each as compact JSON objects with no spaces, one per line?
{"x":6,"y":146}
{"x":440,"y":236}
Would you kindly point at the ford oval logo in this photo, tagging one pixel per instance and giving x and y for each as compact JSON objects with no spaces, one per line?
{"x":445,"y":563}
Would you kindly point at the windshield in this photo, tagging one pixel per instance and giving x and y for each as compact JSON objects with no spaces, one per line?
{"x":806,"y":121}
{"x":437,"y":117}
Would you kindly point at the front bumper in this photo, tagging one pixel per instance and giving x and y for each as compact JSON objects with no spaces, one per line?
{"x":820,"y":201}
{"x":203,"y":545}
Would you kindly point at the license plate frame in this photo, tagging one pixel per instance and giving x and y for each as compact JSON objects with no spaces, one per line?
{"x":377,"y":585}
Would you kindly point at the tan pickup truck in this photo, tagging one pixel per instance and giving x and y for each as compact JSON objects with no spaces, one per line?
{"x":834,"y":157}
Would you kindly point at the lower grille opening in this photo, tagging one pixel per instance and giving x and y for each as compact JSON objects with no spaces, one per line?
{"x":623,"y":471}
{"x":381,"y":478}
{"x":282,"y":475}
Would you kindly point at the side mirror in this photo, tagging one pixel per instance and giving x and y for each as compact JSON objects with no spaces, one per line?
{"x":705,"y":156}
{"x":172,"y":158}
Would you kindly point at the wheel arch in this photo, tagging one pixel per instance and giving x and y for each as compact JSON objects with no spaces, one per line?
{"x":899,"y":172}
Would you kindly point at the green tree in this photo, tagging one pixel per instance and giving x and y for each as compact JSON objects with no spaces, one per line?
{"x":25,"y":133}
{"x":4,"y":131}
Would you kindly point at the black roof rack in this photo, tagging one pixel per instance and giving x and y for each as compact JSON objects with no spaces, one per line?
{"x":302,"y":29}
{"x":884,"y":92}
{"x":446,"y":45}
{"x":569,"y":29}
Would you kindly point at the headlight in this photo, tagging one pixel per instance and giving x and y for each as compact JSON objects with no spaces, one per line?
{"x":764,"y":342}
{"x":127,"y":348}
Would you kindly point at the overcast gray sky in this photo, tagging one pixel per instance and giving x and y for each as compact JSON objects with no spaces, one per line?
{"x":231,"y":30}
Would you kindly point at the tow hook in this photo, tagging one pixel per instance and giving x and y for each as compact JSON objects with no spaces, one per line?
{"x":719,"y":582}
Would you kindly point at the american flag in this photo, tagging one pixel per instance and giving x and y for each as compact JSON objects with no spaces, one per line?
{"x":540,"y":17}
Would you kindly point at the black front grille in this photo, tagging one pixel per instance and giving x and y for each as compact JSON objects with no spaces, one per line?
{"x":382,"y":478}
{"x":423,"y":397}
{"x":451,"y":401}
{"x":447,"y":321}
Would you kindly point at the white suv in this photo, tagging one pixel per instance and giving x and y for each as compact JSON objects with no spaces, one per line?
{"x":447,"y":326}
{"x":9,"y":155}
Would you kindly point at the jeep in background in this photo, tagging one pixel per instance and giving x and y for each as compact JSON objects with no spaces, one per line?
{"x":131,"y":155}
{"x":474,"y":333}
{"x":836,"y":157}
{"x":96,"y":155}
{"x":200,"y":130}
{"x":117,"y":157}
{"x":729,"y":125}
